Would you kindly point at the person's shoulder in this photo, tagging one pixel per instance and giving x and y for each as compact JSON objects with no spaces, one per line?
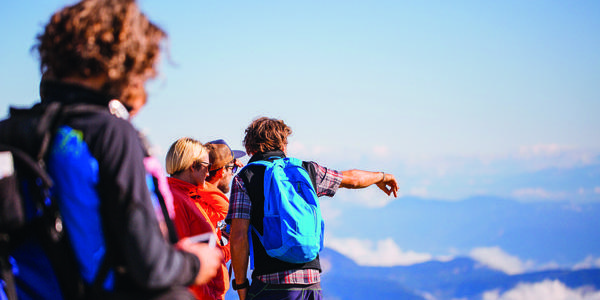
{"x":118,"y":125}
{"x":103,"y":122}
{"x":209,"y":187}
{"x":249,"y":170}
{"x":317,"y":168}
{"x":311,"y":164}
{"x":178,"y":185}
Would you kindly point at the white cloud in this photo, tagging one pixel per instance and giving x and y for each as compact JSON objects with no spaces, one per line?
{"x":325,"y":264}
{"x":419,"y":191}
{"x":445,"y":258}
{"x":330,"y":211}
{"x":452,"y":177}
{"x":547,"y":290}
{"x":554,"y":155}
{"x":537,"y":193}
{"x":382,"y":253}
{"x":547,"y":150}
{"x":369,"y":197}
{"x":552,"y":265}
{"x":381,"y":151}
{"x":588,"y":263}
{"x":341,"y":158}
{"x":298,"y":149}
{"x":428,"y":296}
{"x":497,"y":259}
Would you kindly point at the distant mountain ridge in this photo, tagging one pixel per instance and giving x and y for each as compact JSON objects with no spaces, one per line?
{"x":460,"y":278}
{"x":559,"y":232}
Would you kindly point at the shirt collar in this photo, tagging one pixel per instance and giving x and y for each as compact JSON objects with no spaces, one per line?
{"x":266,"y":155}
{"x":68,"y":93}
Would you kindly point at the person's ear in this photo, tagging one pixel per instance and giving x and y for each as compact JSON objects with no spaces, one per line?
{"x":191,"y":168}
{"x":220,"y":173}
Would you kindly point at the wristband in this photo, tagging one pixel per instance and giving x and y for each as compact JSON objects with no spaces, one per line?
{"x":383,"y":177}
{"x":236,"y":286}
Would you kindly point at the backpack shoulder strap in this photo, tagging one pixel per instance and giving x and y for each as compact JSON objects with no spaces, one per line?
{"x":28,"y":134}
{"x":265,"y":163}
{"x":39,"y":123}
{"x":294,"y":161}
{"x":172,"y":232}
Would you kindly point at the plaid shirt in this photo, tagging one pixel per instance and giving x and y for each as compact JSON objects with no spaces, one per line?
{"x":240,"y":206}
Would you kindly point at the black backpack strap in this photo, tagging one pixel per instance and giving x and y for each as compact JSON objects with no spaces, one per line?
{"x":173,"y":237}
{"x":39,"y":124}
{"x":6,"y":273}
{"x":312,"y":173}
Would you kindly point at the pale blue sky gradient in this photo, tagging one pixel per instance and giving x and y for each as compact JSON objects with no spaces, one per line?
{"x":456,"y":98}
{"x":366,"y":84}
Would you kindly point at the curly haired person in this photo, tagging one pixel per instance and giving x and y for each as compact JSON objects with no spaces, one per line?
{"x":92,"y":52}
{"x":266,"y":139}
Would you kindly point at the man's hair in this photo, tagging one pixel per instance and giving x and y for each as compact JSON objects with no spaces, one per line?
{"x":183,"y":154}
{"x":212,"y":174}
{"x":92,"y":38}
{"x":266,"y":134}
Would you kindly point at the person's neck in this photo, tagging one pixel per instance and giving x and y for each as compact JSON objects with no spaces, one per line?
{"x":94,"y":83}
{"x":266,"y":155}
{"x":187,"y":177}
{"x":213,"y":181}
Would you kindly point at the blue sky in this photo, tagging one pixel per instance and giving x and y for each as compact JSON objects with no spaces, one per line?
{"x":425,"y":90}
{"x":431,"y":77}
{"x":456,"y":98}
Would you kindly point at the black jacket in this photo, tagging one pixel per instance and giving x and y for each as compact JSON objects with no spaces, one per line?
{"x":134,"y":240}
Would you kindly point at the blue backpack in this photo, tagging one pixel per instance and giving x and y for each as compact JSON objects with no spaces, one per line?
{"x":39,"y":258}
{"x":292,"y":223}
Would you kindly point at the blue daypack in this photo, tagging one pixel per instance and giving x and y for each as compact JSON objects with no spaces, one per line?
{"x":292,"y":224}
{"x":37,"y":259}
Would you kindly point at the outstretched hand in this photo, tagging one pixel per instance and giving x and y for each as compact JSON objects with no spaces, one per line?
{"x":389,"y":185}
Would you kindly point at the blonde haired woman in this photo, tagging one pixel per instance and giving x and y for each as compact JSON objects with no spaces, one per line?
{"x":188,"y":165}
{"x":186,"y":156}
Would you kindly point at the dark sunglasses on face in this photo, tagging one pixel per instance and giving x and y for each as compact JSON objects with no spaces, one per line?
{"x":233,"y":168}
{"x":200,"y":163}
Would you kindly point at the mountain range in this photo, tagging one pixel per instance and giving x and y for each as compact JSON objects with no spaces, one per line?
{"x":557,"y":233}
{"x":548,"y":240}
{"x":460,"y":278}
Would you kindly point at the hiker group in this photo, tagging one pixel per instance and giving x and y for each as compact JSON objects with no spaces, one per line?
{"x":89,"y":213}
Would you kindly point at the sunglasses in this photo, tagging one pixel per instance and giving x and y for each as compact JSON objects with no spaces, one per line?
{"x":199,"y":163}
{"x":233,"y":168}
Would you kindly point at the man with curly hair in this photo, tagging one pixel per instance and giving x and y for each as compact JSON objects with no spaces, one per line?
{"x":93,"y":52}
{"x":266,"y":139}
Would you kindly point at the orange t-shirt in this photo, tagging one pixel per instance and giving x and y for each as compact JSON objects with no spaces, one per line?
{"x":192,"y":219}
{"x":213,"y":201}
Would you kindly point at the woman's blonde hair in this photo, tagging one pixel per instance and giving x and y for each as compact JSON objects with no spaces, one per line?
{"x":183,"y":154}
